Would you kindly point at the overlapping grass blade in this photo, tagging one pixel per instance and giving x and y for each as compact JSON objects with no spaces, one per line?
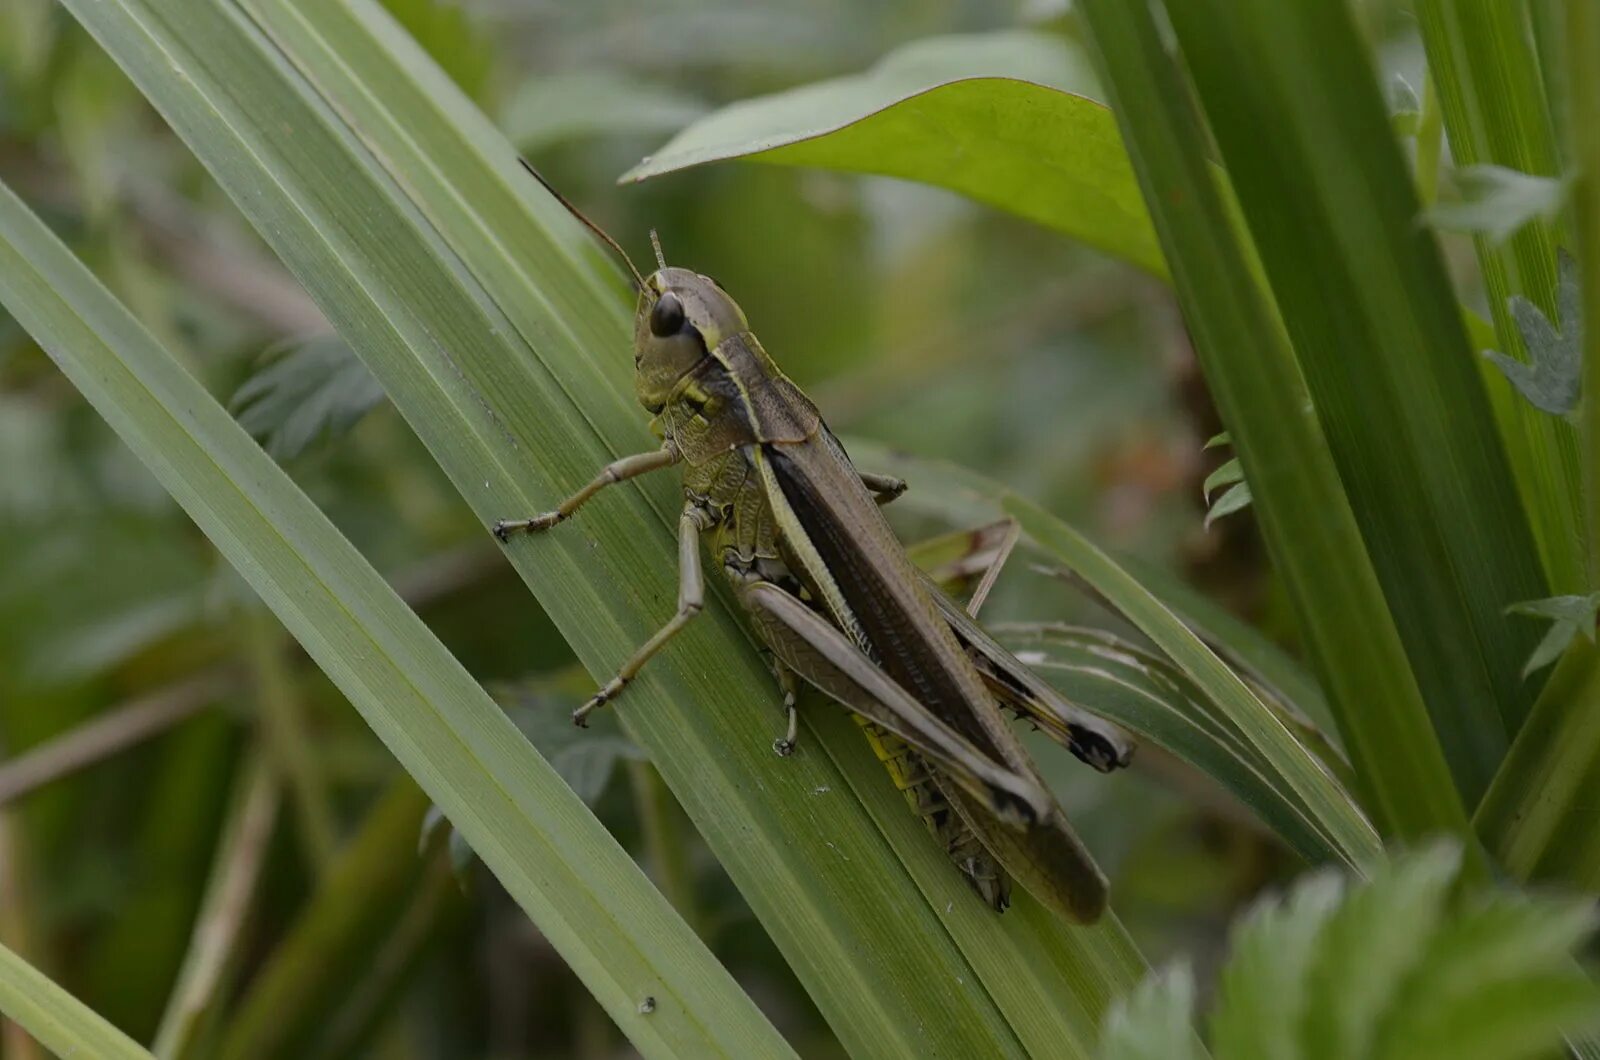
{"x":1379,"y":336}
{"x":1538,"y":816}
{"x":1310,"y":530}
{"x":582,"y":889}
{"x":498,"y":331}
{"x":1327,"y":807}
{"x":55,"y":1018}
{"x":1161,"y":706}
{"x":1484,"y":65}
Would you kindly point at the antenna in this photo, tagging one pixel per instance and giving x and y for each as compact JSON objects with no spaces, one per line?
{"x":638,"y":280}
{"x":655,"y":241}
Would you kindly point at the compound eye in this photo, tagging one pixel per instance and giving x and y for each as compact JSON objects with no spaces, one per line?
{"x":666,"y":317}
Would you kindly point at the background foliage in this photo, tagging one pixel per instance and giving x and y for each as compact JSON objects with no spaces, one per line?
{"x":202,"y":839}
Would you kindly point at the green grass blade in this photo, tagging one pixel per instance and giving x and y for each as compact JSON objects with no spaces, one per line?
{"x":1483,"y":63}
{"x":582,"y":889}
{"x":1380,"y":338}
{"x":1314,"y":541}
{"x":1007,"y":119}
{"x":1583,"y":111}
{"x":58,"y":1020}
{"x":1161,"y":706}
{"x":1328,"y":806}
{"x":1538,"y":817}
{"x":500,"y":331}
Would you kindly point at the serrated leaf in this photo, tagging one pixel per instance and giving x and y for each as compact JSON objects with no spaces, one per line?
{"x":1569,"y":617}
{"x":307,"y":390}
{"x":1262,"y":993}
{"x":1153,"y":1022}
{"x":1368,"y":946}
{"x":1397,"y":967}
{"x":1497,"y":201}
{"x":1236,"y":498}
{"x":1552,"y":376}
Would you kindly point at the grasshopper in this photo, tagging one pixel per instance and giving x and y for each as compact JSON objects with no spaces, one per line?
{"x":830,"y":592}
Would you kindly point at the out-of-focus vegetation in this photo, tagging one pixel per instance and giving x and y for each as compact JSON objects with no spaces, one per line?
{"x":202,"y":839}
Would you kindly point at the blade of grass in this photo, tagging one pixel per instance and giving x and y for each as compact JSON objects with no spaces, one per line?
{"x":1538,"y":816}
{"x":1329,"y":807}
{"x":584,"y":892}
{"x":329,"y":945}
{"x":1381,"y":341}
{"x":60,"y":1022}
{"x":444,"y":147}
{"x":1311,"y":533}
{"x":213,"y":947}
{"x":488,"y":316}
{"x":1487,"y":74}
{"x":1583,"y":108}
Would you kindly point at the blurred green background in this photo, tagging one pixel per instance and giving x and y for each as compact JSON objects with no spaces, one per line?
{"x":913,"y":317}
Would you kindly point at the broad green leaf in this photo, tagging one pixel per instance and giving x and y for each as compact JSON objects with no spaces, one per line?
{"x":1582,"y":34}
{"x":1311,"y":532}
{"x":1498,"y":202}
{"x":55,"y":1018}
{"x":559,"y":107}
{"x":585,"y":893}
{"x":1327,"y":805}
{"x":304,"y":391}
{"x":1008,"y":119}
{"x":500,"y":330}
{"x":1379,"y":336}
{"x":1551,"y":377}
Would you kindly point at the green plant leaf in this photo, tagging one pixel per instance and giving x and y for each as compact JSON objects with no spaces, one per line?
{"x":1005,"y":118}
{"x":1311,"y":532}
{"x":1552,"y":375}
{"x":1498,"y":202}
{"x":1226,"y":475}
{"x":548,"y":850}
{"x":1393,"y":967}
{"x":1570,"y":616}
{"x":304,"y":391}
{"x":500,"y":330}
{"x":55,"y":1018}
{"x":1235,"y":498}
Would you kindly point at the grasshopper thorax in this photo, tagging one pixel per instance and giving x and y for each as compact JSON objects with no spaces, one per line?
{"x":681,"y":317}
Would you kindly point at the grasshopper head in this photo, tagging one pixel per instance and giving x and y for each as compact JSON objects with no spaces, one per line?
{"x":682,"y":315}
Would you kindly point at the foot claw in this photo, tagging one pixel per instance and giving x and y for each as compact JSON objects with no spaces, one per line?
{"x":783,"y":747}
